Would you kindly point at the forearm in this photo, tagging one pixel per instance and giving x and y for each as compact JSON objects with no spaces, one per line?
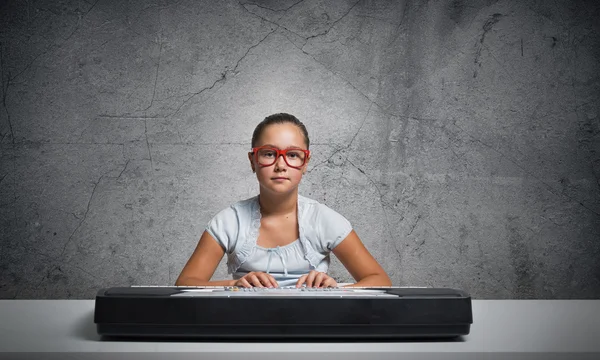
{"x":373,"y":280}
{"x":190,"y":281}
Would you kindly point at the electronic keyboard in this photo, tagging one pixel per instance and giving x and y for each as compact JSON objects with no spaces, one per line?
{"x":217,"y":312}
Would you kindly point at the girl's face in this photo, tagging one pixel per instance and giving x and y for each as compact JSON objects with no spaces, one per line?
{"x":279,"y":177}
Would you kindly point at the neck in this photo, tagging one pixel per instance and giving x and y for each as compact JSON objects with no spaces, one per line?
{"x":278,"y":204}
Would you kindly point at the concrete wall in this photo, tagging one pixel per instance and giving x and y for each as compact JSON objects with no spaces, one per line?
{"x":461,"y":138}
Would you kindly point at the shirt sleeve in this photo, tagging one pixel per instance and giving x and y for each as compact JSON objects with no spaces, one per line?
{"x":332,"y":227}
{"x":224,"y":227}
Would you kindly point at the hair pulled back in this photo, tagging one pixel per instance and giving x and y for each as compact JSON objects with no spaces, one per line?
{"x":279,"y":118}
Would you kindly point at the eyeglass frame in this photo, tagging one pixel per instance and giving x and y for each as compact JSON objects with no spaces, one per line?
{"x":279,"y":153}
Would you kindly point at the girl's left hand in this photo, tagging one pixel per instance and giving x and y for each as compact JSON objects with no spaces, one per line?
{"x":316,"y":279}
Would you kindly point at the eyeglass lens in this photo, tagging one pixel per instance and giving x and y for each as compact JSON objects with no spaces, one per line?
{"x":292,"y":157}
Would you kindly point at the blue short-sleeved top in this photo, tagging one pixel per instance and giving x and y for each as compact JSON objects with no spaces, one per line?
{"x":236,"y":229}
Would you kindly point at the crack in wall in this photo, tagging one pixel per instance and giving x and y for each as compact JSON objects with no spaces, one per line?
{"x":438,"y":234}
{"x":486,"y":28}
{"x":148,"y":144}
{"x":383,"y":208}
{"x":356,"y":134}
{"x":414,"y":225}
{"x":52,"y":46}
{"x":192,"y":95}
{"x":125,"y":117}
{"x":124,"y":168}
{"x":359,"y":128}
{"x":313,"y":58}
{"x":159,"y":7}
{"x":33,"y":61}
{"x":462,"y":161}
{"x":60,"y":256}
{"x":81,"y":17}
{"x":430,"y":122}
{"x":325,"y":161}
{"x":39,"y":143}
{"x":278,"y":25}
{"x":350,"y":144}
{"x":223,"y":76}
{"x":547,"y":186}
{"x":160,"y":41}
{"x":502,"y":65}
{"x":489,"y":273}
{"x":397,"y":33}
{"x":10,"y":79}
{"x":334,"y":23}
{"x":337,"y":75}
{"x":57,"y":267}
{"x":267,"y":8}
{"x":49,"y":271}
{"x":345,"y":147}
{"x":451,"y":243}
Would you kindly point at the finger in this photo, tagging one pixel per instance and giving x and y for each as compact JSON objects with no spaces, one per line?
{"x":255,"y":281}
{"x":301,"y":281}
{"x":319,"y":279}
{"x":265,"y":279}
{"x":329,"y":282}
{"x":249,"y":280}
{"x":244,"y":282}
{"x":274,"y":282}
{"x":310,"y":279}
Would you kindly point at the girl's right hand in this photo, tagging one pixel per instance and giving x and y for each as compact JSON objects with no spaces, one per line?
{"x":258,"y":279}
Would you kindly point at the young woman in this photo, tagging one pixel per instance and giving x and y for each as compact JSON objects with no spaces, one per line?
{"x":280,"y":238}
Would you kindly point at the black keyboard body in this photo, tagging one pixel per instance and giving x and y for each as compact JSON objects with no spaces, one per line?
{"x":237,"y":313}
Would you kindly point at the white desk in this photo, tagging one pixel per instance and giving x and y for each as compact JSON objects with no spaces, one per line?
{"x":502,"y":329}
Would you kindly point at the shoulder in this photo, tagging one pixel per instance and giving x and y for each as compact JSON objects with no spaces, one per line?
{"x":234,"y":216}
{"x":316,"y":211}
{"x":228,"y":223}
{"x":238,"y":209}
{"x":323,"y":226}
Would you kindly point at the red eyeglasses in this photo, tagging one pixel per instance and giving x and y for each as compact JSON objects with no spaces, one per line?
{"x":268,"y":155}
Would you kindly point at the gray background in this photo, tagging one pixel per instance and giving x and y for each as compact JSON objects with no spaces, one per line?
{"x":460,"y":138}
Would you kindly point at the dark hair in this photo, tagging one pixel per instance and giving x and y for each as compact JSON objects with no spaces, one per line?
{"x":279,"y":118}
